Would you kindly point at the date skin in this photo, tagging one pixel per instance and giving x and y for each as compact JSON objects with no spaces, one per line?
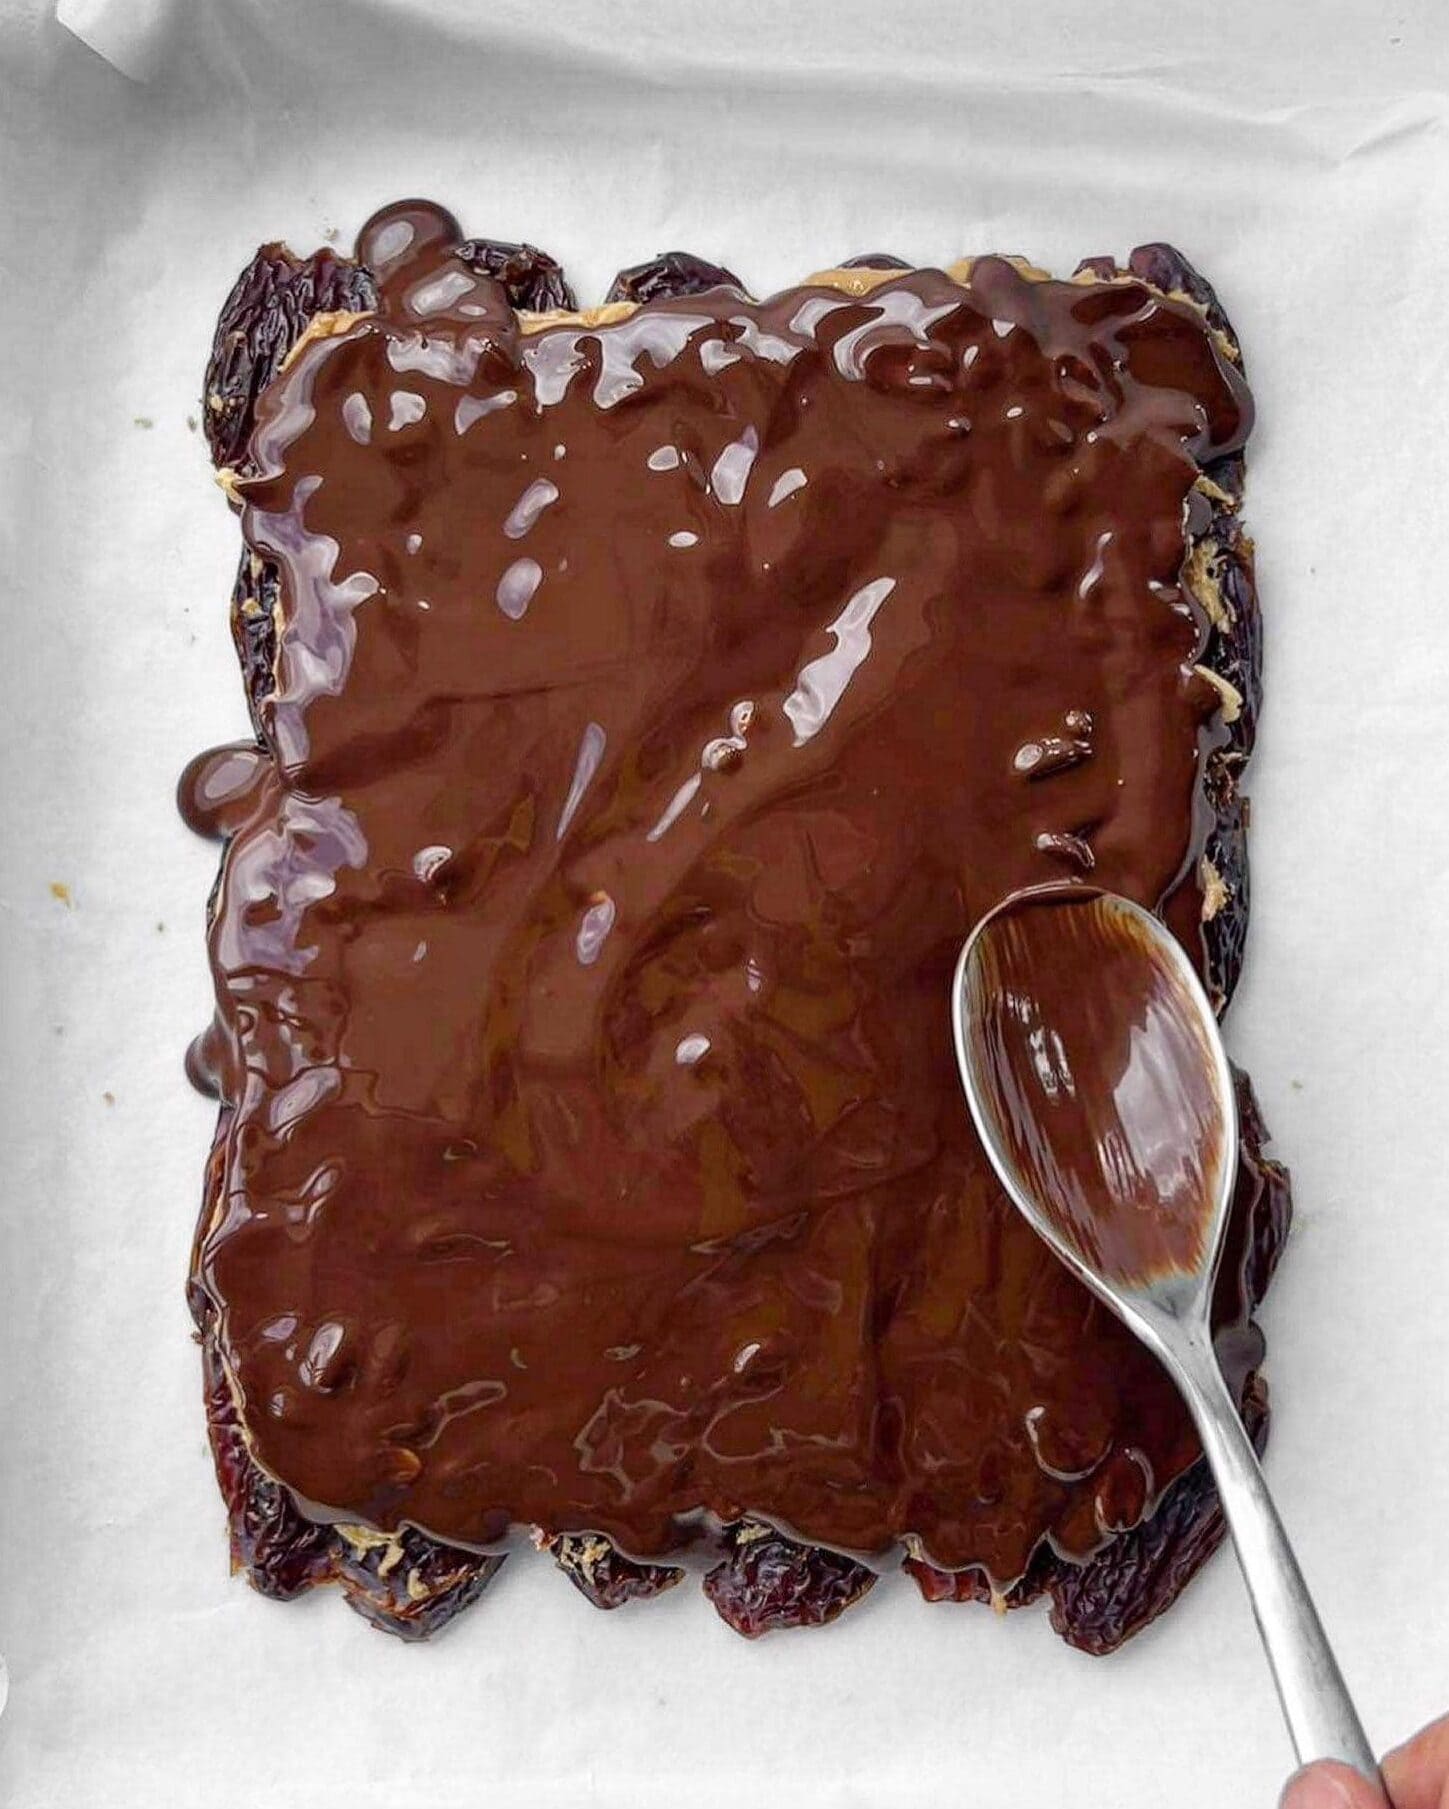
{"x":534,"y":281}
{"x":411,"y":1589}
{"x":601,"y":1573}
{"x":265,"y":315}
{"x":763,"y":1581}
{"x":766,"y":1582}
{"x":671,"y":273}
{"x":415,"y":1586}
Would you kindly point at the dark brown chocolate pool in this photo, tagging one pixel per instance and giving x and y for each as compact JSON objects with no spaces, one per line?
{"x":657,"y":703}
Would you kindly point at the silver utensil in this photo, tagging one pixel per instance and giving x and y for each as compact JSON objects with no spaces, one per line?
{"x":1168,"y":1308}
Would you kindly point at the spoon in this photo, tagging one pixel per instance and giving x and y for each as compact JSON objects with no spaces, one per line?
{"x":1101,"y":1092}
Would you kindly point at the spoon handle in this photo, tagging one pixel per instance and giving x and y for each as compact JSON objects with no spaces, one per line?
{"x":1316,"y":1704}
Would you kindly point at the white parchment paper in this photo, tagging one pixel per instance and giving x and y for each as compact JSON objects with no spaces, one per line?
{"x":1300,"y":156}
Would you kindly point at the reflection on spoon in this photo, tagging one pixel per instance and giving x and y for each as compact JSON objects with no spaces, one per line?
{"x":1092,"y":1065}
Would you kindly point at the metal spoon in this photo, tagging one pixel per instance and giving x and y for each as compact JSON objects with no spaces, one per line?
{"x":1097,"y":1079}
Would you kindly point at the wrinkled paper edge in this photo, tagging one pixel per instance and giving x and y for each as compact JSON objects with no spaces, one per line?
{"x":132,"y":35}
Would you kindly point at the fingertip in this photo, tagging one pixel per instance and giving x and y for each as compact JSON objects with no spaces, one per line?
{"x":1329,"y":1786}
{"x":1418,"y":1771}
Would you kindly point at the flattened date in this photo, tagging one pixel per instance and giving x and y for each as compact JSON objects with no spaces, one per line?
{"x":406,"y":1584}
{"x":1098,"y":1606}
{"x":411,"y":1585}
{"x":767,"y":1582}
{"x":265,"y":315}
{"x":281,"y":1552}
{"x":278,"y":294}
{"x":601,"y":1572}
{"x":671,"y":273}
{"x":533,"y":280}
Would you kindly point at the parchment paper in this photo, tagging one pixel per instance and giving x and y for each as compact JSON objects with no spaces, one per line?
{"x":1299,"y":155}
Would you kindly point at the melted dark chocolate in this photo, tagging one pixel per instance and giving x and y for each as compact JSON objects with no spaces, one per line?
{"x":649,"y":726}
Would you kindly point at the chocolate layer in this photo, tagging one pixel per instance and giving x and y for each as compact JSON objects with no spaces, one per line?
{"x":592,"y":1145}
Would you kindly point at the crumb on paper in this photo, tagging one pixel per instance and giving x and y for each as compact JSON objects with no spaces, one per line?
{"x":1297,"y":1085}
{"x":109,"y":1097}
{"x":329,"y":233}
{"x":62,"y":893}
{"x":142,"y":421}
{"x":192,"y":423}
{"x":160,"y":929}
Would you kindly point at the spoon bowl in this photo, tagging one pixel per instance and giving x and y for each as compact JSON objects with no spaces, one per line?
{"x":1100,"y":1089}
{"x":1120,"y":1150}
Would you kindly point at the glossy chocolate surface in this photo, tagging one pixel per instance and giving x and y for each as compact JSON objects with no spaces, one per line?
{"x":657,"y":705}
{"x":1099,"y":1083}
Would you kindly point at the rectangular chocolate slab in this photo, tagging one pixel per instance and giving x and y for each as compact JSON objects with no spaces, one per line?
{"x":649,"y":701}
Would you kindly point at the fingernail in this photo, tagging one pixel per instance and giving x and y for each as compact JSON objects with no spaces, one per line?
{"x":1317,"y":1788}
